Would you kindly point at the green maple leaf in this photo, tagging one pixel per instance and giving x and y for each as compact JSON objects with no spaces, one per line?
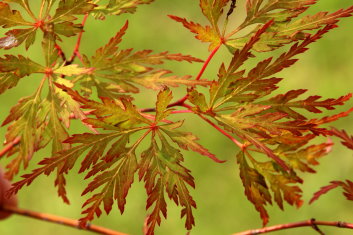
{"x":124,"y":70}
{"x":20,"y":66}
{"x":68,"y":8}
{"x":10,"y":18}
{"x":117,"y":7}
{"x":213,"y":10}
{"x":8,"y":81}
{"x":284,"y":30}
{"x":27,"y":122}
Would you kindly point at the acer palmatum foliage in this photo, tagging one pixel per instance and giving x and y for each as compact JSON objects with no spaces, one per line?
{"x":239,"y":103}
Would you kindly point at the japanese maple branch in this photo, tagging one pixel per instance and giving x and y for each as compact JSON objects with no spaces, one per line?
{"x":181,"y":101}
{"x":76,"y":52}
{"x":308,"y":223}
{"x":59,"y":220}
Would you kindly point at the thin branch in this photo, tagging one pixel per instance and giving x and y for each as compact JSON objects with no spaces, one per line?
{"x":10,"y":146}
{"x":235,"y":141}
{"x":205,"y":64}
{"x":60,"y":220}
{"x":60,"y":52}
{"x":181,"y":111}
{"x":76,"y":52}
{"x":308,"y":223}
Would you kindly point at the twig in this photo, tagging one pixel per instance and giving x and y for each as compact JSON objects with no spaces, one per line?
{"x":205,"y":64}
{"x":60,"y":52}
{"x":60,"y":220}
{"x":9,"y":146}
{"x":242,"y":146}
{"x":76,"y":52}
{"x":307,"y":223}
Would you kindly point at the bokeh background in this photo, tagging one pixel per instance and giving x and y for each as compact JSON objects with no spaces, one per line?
{"x":326,"y":70}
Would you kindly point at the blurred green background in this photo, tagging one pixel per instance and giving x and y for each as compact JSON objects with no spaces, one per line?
{"x":326,"y":70}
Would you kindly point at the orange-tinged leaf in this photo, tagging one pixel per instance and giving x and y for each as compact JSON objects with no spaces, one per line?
{"x":8,"y":81}
{"x":10,"y":18}
{"x":347,"y":186}
{"x":16,"y":37}
{"x":204,"y":34}
{"x":163,"y":99}
{"x":346,"y":140}
{"x":72,"y":69}
{"x":256,"y":189}
{"x":116,"y":183}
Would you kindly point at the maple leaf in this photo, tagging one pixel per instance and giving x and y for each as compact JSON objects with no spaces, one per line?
{"x":20,"y":66}
{"x":161,"y":170}
{"x":118,"y":7}
{"x":15,"y":37}
{"x":72,"y":69}
{"x":256,"y":189}
{"x":213,"y":9}
{"x":346,"y":186}
{"x":284,"y":103}
{"x":312,"y":22}
{"x":27,"y":122}
{"x":68,"y":8}
{"x":10,"y":18}
{"x":284,"y":30}
{"x":346,"y":140}
{"x":204,"y":34}
{"x":264,"y":181}
{"x":281,"y":10}
{"x":124,"y":69}
{"x":113,"y":163}
{"x":8,"y":81}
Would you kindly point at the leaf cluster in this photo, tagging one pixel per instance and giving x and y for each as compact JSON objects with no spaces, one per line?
{"x":273,"y":132}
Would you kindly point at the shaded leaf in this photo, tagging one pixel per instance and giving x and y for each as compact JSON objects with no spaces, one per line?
{"x":20,"y":66}
{"x":10,"y":18}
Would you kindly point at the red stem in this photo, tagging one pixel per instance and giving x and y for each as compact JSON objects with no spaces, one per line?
{"x":76,"y":52}
{"x":9,"y":146}
{"x":241,"y":146}
{"x":181,"y":111}
{"x":60,"y":52}
{"x":312,"y":222}
{"x":60,"y":220}
{"x":205,"y":64}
